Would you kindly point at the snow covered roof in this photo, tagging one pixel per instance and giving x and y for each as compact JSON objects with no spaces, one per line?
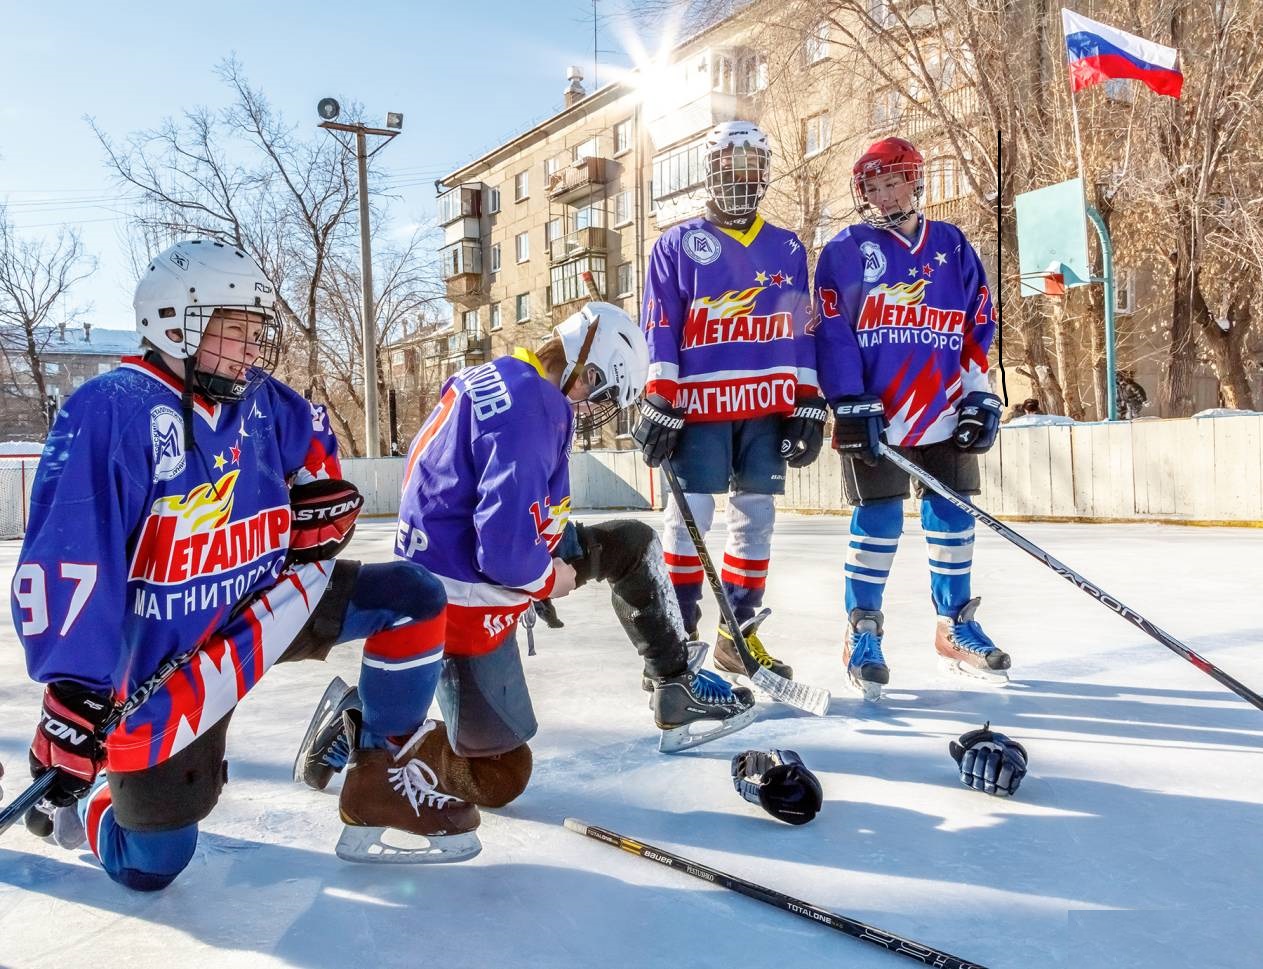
{"x":97,"y":341}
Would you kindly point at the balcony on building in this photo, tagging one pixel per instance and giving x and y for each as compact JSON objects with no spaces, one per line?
{"x":461,"y":265}
{"x":464,"y":349}
{"x":577,"y":180}
{"x":707,"y":87}
{"x":579,"y":242}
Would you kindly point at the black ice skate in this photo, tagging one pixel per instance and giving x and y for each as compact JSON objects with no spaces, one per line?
{"x":965,"y":650}
{"x":695,"y":708}
{"x":865,"y":666}
{"x":394,"y":811}
{"x":324,"y":750}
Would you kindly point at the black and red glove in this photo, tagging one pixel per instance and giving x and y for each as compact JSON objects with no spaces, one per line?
{"x":323,"y":517}
{"x":69,"y":740}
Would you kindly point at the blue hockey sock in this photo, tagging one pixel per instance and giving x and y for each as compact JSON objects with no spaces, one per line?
{"x":949,"y":533}
{"x":875,"y":531}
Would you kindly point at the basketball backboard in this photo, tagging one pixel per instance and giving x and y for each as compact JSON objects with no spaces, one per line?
{"x":1052,"y":238}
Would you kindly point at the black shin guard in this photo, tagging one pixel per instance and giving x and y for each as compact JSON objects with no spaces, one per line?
{"x":628,"y":555}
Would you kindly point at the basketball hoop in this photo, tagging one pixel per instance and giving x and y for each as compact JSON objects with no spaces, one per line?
{"x":1054,"y":284}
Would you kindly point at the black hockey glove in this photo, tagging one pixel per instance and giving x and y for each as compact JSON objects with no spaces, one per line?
{"x":546,"y":611}
{"x":323,"y":518}
{"x":989,"y":762}
{"x":659,"y":429}
{"x":858,"y":423}
{"x":779,"y":782}
{"x":68,"y":740}
{"x":978,"y":422}
{"x":802,"y":432}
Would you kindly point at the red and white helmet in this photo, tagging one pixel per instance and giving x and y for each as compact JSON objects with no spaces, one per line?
{"x":890,"y":156}
{"x":738,"y":167}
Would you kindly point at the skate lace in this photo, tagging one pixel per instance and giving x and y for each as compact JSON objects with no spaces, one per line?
{"x":866,"y":649}
{"x":416,"y":780}
{"x":759,"y":652}
{"x":338,"y":753}
{"x":710,"y":688}
{"x":969,"y":635}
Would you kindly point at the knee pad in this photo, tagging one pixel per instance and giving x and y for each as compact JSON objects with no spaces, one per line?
{"x":409,"y":588}
{"x":148,"y":861}
{"x":614,"y":550}
{"x":485,"y":781}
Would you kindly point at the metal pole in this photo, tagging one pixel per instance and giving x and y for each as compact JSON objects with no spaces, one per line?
{"x":372,"y":447}
{"x":1107,"y":266}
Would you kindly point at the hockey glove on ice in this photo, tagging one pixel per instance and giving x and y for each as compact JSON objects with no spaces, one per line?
{"x":858,"y":423}
{"x":659,"y":429}
{"x":989,"y":762}
{"x":802,"y":432}
{"x":323,"y":518}
{"x":68,"y":740}
{"x":779,"y":782}
{"x":978,"y":422}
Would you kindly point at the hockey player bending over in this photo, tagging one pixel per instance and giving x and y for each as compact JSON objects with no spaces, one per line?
{"x":485,"y":508}
{"x":905,"y":324}
{"x":188,"y":501}
{"x":732,"y":394}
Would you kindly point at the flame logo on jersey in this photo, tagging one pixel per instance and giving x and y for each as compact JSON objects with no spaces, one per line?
{"x":728,"y":318}
{"x":903,"y":304}
{"x":189,"y":536}
{"x":550,"y":528}
{"x":735,"y":302}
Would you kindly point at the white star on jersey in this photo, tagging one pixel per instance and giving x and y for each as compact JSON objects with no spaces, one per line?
{"x":940,"y":258}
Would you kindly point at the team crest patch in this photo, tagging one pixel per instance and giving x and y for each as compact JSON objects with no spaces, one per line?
{"x":166,"y":428}
{"x":700,"y":246}
{"x":874,"y":261}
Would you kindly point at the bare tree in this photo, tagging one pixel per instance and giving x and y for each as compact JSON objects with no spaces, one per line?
{"x":36,"y":275}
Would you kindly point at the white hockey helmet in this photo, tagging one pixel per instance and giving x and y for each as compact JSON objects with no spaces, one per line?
{"x":180,"y":292}
{"x":738,"y":167}
{"x":604,"y":344}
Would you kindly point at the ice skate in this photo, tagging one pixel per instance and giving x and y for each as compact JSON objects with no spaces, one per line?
{"x":695,"y":708}
{"x":393,"y":810}
{"x":728,"y":660}
{"x":865,"y":666}
{"x":324,"y":750}
{"x":965,"y":650}
{"x":697,"y":651}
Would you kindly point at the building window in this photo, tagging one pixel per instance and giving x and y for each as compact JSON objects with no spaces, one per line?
{"x":1125,"y":291}
{"x":460,"y":258}
{"x":521,"y":186}
{"x":589,"y":215}
{"x":679,"y":171}
{"x":493,"y":201}
{"x":625,"y":280}
{"x":495,"y":258}
{"x":589,"y":149}
{"x":495,"y":316}
{"x":567,"y":279}
{"x":887,"y":107}
{"x":752,"y":71}
{"x":817,"y":134}
{"x":463,"y":202}
{"x":626,"y":423}
{"x":944,"y":180}
{"x":881,"y":13}
{"x":824,"y":228}
{"x":523,"y":306}
{"x":470,"y":321}
{"x":522,"y":246}
{"x":816,"y":46}
{"x":552,"y":232}
{"x":623,"y":208}
{"x":1118,"y":89}
{"x":722,"y":79}
{"x":551,"y":167}
{"x":623,"y":137}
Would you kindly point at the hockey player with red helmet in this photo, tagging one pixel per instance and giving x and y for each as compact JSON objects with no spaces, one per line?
{"x":732,"y":395}
{"x":905,"y":322}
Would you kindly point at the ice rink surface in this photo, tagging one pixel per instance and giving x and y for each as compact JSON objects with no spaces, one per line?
{"x":1134,"y":841}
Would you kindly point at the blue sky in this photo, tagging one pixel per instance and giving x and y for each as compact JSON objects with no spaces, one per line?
{"x":465,"y":75}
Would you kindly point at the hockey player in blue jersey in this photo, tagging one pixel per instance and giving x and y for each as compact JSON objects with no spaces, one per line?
{"x":905,"y":322}
{"x":732,"y":394}
{"x":485,"y":508}
{"x":189,"y":504}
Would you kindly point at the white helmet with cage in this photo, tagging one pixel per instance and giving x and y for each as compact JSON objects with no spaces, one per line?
{"x":180,"y":292}
{"x":605,"y":346}
{"x":738,"y":167}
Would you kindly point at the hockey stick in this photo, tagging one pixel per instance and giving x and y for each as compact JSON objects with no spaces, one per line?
{"x":848,"y":926}
{"x":810,"y":698}
{"x":35,"y":793}
{"x":1070,"y":575}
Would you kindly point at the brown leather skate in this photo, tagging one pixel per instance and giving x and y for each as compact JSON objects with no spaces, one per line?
{"x":394,"y":811}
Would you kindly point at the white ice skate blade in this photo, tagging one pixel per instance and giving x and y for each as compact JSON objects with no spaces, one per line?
{"x":962,"y":670}
{"x":333,"y":695}
{"x":701,"y":732}
{"x":390,"y":846}
{"x":866,"y":689}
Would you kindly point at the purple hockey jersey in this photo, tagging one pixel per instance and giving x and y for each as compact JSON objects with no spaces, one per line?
{"x":908,"y":321}
{"x":486,"y":495}
{"x":725,"y":314}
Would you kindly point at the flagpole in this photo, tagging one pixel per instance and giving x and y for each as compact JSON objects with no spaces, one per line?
{"x":1074,"y":115}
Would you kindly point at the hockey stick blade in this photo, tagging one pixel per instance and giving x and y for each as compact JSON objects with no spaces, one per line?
{"x":1070,"y":575}
{"x":848,"y":926}
{"x":812,"y":699}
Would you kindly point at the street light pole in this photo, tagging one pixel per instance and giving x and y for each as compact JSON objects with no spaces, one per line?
{"x":372,"y":439}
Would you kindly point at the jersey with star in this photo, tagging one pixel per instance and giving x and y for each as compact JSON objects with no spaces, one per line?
{"x":137,"y":549}
{"x":909,"y":321}
{"x":726,"y":314}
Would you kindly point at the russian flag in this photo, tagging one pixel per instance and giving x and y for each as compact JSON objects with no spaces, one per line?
{"x":1097,"y":52}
